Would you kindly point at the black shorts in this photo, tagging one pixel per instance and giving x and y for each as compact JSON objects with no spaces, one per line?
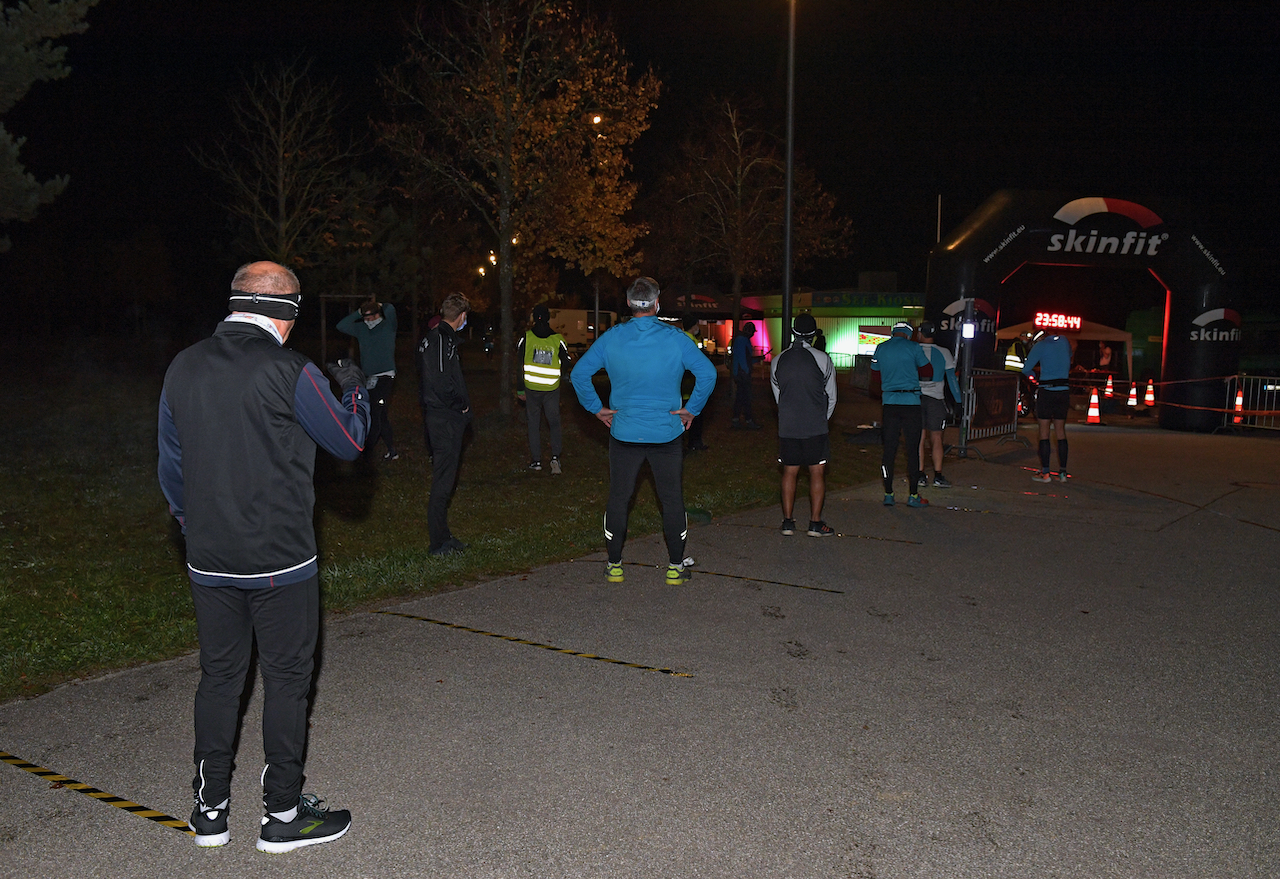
{"x":1052,"y":405}
{"x":794,"y":452}
{"x":934,"y":412}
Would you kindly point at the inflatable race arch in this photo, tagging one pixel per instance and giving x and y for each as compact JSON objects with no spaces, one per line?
{"x":1014,"y":229}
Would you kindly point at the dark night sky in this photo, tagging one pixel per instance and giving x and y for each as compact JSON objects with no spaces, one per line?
{"x":897,"y":102}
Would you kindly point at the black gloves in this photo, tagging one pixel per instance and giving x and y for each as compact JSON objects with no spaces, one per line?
{"x":347,"y":375}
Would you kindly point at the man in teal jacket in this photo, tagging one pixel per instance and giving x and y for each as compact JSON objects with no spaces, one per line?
{"x":645,"y":360}
{"x":374,"y":327}
{"x":895,"y":377}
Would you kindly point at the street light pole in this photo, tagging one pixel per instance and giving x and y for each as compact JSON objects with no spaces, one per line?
{"x":785,"y":341}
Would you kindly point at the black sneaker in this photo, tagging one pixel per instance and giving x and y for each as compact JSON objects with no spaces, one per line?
{"x":788,"y":527}
{"x":312,"y":826}
{"x":535,"y":466}
{"x":391,"y":456}
{"x":820,"y":529}
{"x":210,"y":825}
{"x":940,"y":481}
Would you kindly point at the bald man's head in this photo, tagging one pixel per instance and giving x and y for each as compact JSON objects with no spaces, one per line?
{"x":265,"y":277}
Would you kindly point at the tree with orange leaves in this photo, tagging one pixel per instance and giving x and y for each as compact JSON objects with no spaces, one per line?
{"x":525,"y":109}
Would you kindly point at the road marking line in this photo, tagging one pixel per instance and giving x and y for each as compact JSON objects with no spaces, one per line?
{"x":516,"y":640}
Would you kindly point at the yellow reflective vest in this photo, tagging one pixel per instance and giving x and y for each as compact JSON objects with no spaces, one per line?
{"x":1015,"y":357}
{"x":542,"y":361}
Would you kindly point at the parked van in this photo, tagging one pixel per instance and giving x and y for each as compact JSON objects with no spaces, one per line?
{"x":575,"y":324}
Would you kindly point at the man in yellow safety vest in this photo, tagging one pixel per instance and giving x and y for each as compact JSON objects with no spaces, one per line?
{"x":1016,"y":356}
{"x":541,"y":351}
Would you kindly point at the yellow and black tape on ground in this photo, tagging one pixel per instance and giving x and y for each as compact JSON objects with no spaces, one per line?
{"x":99,"y":795}
{"x":516,"y":640}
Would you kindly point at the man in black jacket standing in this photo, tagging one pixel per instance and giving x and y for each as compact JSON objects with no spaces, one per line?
{"x":804,"y":386}
{"x":447,"y":409}
{"x":240,"y":419}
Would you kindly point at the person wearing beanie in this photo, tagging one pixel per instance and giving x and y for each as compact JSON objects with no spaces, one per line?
{"x":741,"y":365}
{"x":804,"y":387}
{"x":933,"y":402}
{"x":373,"y":325}
{"x":240,"y":418}
{"x":896,"y":367}
{"x":645,"y":360}
{"x":541,"y":351}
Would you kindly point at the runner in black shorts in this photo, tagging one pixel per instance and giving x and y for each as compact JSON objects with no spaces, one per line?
{"x":807,"y":452}
{"x":1053,"y":355}
{"x":804,"y":386}
{"x":1052,"y":405}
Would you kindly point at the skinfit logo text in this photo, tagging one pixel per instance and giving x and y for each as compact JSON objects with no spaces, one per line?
{"x":1230,"y":333}
{"x":1133,"y":243}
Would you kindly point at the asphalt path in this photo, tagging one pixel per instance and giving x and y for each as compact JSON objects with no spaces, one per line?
{"x":1024,"y":680}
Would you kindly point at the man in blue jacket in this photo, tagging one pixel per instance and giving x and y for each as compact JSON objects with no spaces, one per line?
{"x":742,"y":366}
{"x":645,"y":360}
{"x":1053,"y":355}
{"x":895,"y":376}
{"x":240,"y":419}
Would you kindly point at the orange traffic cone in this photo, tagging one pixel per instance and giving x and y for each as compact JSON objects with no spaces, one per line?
{"x":1151,"y":394}
{"x":1133,"y":396}
{"x":1110,"y":391}
{"x":1095,"y":417}
{"x":1239,"y":406}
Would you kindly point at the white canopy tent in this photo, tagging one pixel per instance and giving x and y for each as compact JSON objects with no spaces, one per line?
{"x":1088,"y":332}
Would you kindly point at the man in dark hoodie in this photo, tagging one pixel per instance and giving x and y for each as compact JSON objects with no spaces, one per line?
{"x":541,"y":352}
{"x":447,"y":410}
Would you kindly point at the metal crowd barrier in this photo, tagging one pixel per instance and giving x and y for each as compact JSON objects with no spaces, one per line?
{"x":1252,"y":401}
{"x":990,"y":409}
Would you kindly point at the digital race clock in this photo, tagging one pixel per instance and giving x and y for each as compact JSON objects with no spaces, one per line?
{"x":1049,"y":320}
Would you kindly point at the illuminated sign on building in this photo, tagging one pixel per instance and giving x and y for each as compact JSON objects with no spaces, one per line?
{"x":1048,"y":320}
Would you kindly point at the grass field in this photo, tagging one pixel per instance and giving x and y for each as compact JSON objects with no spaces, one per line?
{"x":93,"y":577}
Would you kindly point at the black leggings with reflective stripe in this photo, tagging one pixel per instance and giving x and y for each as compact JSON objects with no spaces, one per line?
{"x":666,"y":460}
{"x":907,"y":421}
